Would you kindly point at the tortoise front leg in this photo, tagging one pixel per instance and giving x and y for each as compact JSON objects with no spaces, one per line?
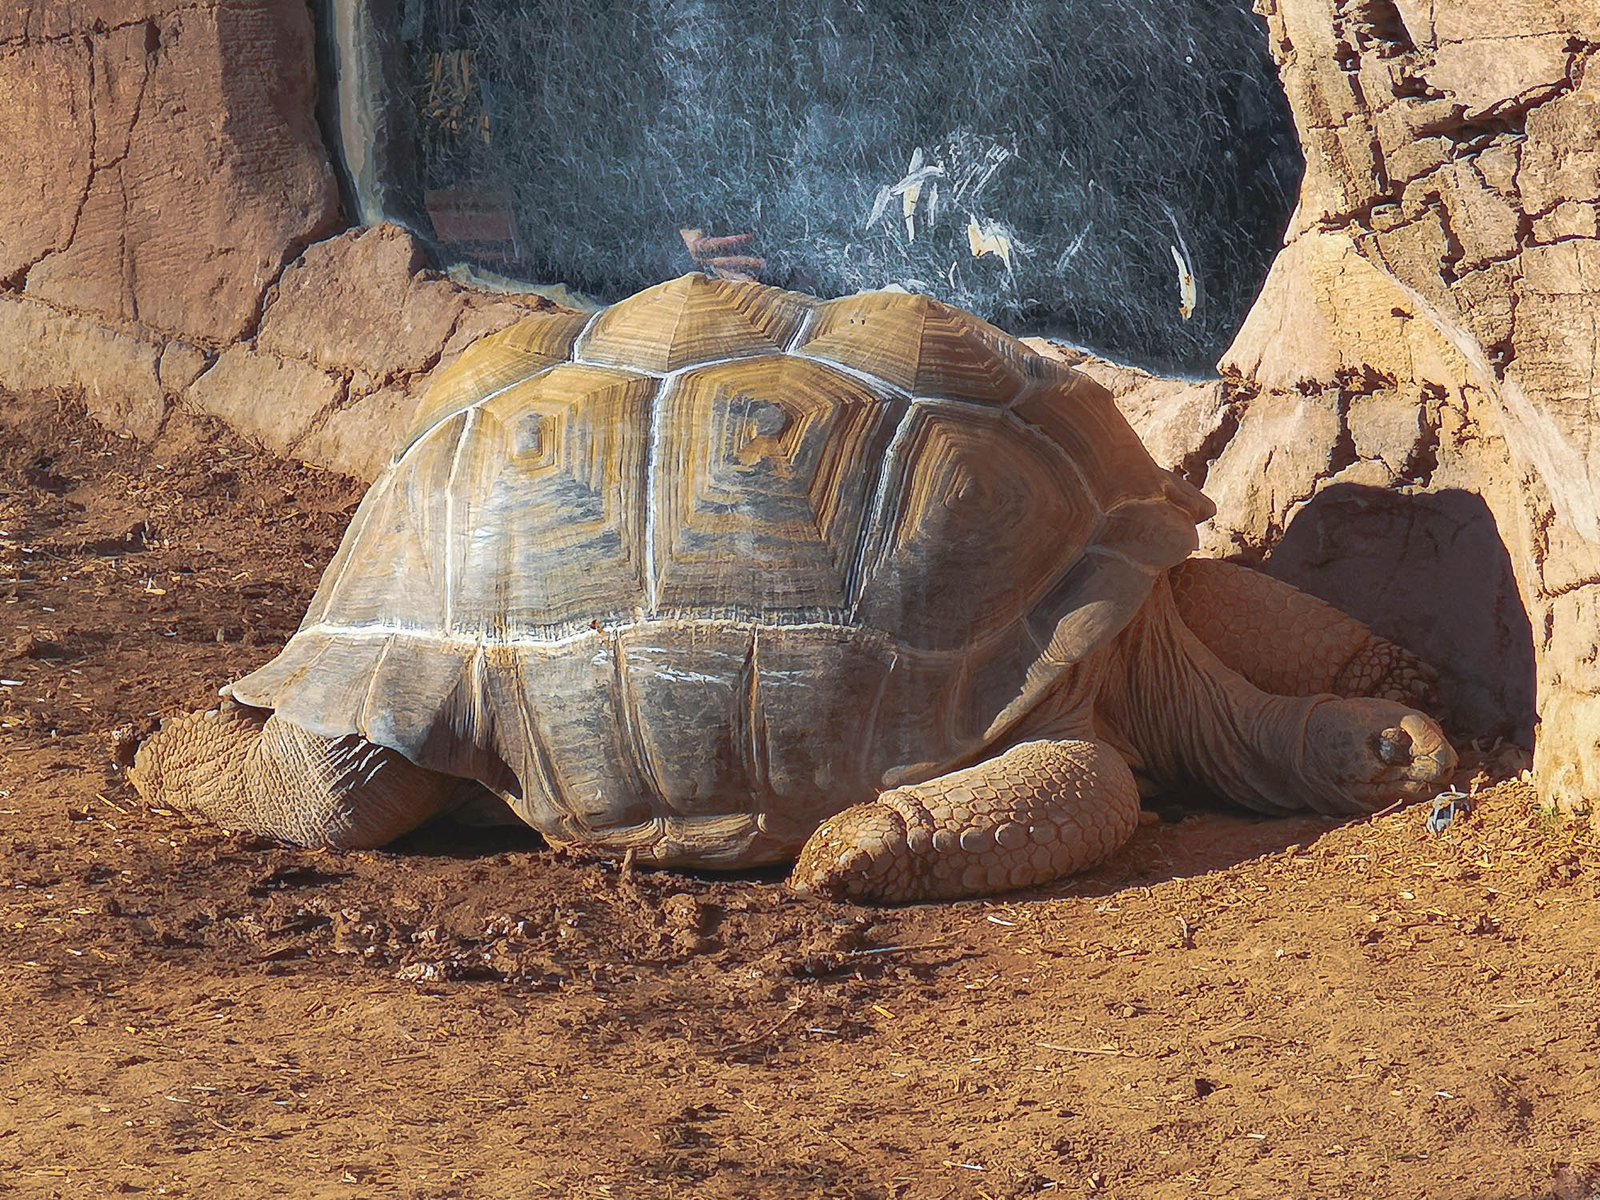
{"x":249,"y":771}
{"x":1289,"y":643}
{"x":1039,"y":811}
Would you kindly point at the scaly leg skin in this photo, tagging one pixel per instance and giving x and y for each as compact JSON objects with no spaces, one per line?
{"x":1039,"y":811}
{"x":250,"y":772}
{"x":1289,"y":643}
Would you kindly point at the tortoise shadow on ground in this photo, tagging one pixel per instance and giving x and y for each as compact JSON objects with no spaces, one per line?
{"x":1181,"y":838}
{"x":1193,"y":837}
{"x":446,"y":837}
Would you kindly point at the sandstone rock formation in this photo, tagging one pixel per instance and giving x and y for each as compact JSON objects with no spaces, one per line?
{"x":168,"y":197}
{"x":347,"y":339}
{"x":161,"y":161}
{"x":1404,"y":424}
{"x":1424,"y":352}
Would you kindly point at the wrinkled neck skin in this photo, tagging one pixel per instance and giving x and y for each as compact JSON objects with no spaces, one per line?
{"x":1185,"y":719}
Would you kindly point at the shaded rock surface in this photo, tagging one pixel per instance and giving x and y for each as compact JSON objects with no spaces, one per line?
{"x":163,"y":161}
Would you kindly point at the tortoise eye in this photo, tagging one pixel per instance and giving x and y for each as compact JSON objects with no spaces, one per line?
{"x":1394,"y":746}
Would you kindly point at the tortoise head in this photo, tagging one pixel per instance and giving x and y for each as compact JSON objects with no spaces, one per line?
{"x":1363,"y":755}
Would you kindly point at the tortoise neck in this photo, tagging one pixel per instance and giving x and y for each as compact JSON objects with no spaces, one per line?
{"x":1190,"y":720}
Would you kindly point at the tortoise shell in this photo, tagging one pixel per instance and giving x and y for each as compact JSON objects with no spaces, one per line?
{"x":696,"y":572}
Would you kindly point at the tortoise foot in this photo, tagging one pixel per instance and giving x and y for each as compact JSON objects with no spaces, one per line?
{"x":1039,"y":811}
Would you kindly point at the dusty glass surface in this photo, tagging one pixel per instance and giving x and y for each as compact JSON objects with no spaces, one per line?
{"x":1115,"y":172}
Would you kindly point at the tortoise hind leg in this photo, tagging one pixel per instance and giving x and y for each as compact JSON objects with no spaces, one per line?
{"x":1289,"y":643}
{"x":1039,"y":811}
{"x":249,"y":771}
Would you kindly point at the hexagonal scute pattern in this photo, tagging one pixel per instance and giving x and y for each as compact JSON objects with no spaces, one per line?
{"x":764,"y":483}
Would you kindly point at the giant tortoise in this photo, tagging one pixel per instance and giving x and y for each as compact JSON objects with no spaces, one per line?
{"x":725,"y":575}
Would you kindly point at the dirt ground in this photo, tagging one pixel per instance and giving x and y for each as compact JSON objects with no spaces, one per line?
{"x":1231,"y":1007}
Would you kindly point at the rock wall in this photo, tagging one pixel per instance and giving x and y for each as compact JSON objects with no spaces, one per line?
{"x":1407,"y":422}
{"x":168,"y":205}
{"x":1404,"y":424}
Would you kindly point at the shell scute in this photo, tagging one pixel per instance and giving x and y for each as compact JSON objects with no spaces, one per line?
{"x":817,"y":697}
{"x":686,"y":710}
{"x":389,"y":570}
{"x":693,"y":319}
{"x":549,"y":504}
{"x":978,"y":520}
{"x":920,"y":346}
{"x":1081,"y":418}
{"x":576,"y":746}
{"x":492,"y":363}
{"x":762,"y":483}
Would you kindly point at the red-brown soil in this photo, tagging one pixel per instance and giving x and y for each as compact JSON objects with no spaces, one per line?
{"x":1231,"y":1007}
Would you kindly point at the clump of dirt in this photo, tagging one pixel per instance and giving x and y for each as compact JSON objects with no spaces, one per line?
{"x":1232,"y":1006}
